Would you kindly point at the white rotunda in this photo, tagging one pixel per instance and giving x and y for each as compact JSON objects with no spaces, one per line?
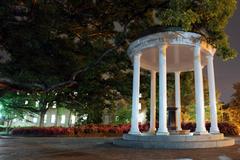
{"x":168,"y":51}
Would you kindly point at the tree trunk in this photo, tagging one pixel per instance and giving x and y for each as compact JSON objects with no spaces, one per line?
{"x":57,"y":116}
{"x":9,"y":124}
{"x":69,"y":119}
{"x":41,"y":120}
{"x":43,"y":111}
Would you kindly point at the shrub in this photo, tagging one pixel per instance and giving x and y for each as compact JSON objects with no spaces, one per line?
{"x":2,"y":129}
{"x":109,"y":130}
{"x":84,"y":130}
{"x":228,"y":129}
{"x":48,"y":131}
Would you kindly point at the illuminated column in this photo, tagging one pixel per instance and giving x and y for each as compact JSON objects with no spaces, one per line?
{"x":162,"y":129}
{"x":153,"y":103}
{"x":135,"y":96}
{"x":199,"y":95}
{"x":178,"y":100}
{"x":212,"y":96}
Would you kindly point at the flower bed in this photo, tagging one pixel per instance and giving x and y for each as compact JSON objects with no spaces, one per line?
{"x":84,"y":130}
{"x":228,"y":129}
{"x":93,"y":130}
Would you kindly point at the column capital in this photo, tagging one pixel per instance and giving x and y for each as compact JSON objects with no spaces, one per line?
{"x":153,"y":71}
{"x":197,"y":50}
{"x":198,"y":44}
{"x":163,"y":49}
{"x":178,"y":72}
{"x":163,"y":46}
{"x":138,"y":55}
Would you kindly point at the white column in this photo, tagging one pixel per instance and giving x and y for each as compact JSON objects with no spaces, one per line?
{"x":212,"y":96}
{"x":135,"y":96}
{"x":162,"y":129}
{"x":152,"y":128}
{"x":199,"y":95}
{"x":178,"y":100}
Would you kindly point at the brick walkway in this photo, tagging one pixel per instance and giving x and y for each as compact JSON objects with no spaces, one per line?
{"x":100,"y":149}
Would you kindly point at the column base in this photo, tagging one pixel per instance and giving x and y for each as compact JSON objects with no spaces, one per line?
{"x":162,"y":133}
{"x":152,"y":131}
{"x":134,"y":132}
{"x":201,"y":133}
{"x":214,"y":130}
{"x":179,"y":129}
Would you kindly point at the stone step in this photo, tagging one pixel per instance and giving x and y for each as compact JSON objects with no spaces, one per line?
{"x":174,"y":138}
{"x":175,"y":144}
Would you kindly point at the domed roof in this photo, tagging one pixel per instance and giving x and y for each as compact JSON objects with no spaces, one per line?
{"x":180,"y":47}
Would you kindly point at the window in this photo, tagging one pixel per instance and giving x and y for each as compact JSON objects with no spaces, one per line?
{"x":45,"y":118}
{"x":63,"y":119}
{"x":54,"y":104}
{"x":73,"y":118}
{"x":37,"y":103}
{"x":53,"y":118}
{"x":35,"y":120}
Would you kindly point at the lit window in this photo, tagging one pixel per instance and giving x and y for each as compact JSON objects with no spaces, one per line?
{"x":45,"y":118}
{"x":73,"y":118}
{"x":84,"y":117}
{"x":34,"y":120}
{"x":37,"y":103}
{"x":63,"y":119}
{"x":46,"y":105}
{"x":54,"y":104}
{"x":53,"y":118}
{"x":24,"y":118}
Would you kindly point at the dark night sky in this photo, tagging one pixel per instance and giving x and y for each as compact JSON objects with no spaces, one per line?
{"x":227,"y":73}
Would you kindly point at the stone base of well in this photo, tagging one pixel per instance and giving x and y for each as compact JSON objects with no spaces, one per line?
{"x":174,"y":141}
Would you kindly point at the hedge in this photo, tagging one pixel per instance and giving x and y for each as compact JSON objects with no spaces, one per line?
{"x":107,"y":130}
{"x":228,"y":129}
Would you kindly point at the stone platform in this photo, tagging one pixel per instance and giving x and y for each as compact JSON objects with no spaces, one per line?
{"x":174,"y":141}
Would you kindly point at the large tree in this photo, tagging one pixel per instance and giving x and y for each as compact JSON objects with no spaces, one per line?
{"x":54,"y":44}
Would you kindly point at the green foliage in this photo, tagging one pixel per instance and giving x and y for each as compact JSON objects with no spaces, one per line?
{"x":206,"y":17}
{"x":228,"y":129}
{"x":122,"y":115}
{"x":232,"y":110}
{"x":235,"y":101}
{"x":40,"y":51}
{"x":50,"y":41}
{"x":232,"y":115}
{"x":10,"y":109}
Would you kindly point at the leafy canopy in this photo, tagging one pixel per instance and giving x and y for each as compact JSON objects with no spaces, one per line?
{"x":48,"y":43}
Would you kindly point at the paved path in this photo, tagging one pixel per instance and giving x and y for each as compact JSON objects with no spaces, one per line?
{"x":100,"y":149}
